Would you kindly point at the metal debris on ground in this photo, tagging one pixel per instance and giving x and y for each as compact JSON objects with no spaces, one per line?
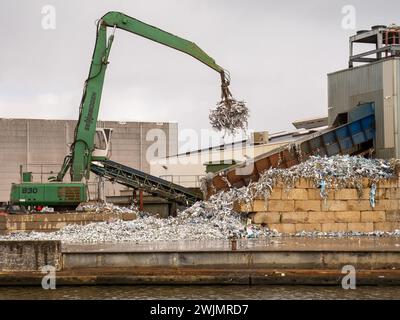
{"x":203,"y":221}
{"x":105,"y":207}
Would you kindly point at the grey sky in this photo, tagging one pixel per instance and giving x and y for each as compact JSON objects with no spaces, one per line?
{"x":278,"y":53}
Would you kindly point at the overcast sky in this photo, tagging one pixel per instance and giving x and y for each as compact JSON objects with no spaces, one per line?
{"x":278,"y":53}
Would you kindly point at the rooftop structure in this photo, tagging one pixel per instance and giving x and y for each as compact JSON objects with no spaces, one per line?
{"x":386,"y":41}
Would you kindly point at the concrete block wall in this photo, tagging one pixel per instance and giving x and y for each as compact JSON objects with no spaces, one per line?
{"x":47,"y":222}
{"x":302,"y":208}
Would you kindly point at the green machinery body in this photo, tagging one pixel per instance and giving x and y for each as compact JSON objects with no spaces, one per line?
{"x":78,"y":162}
{"x":57,"y":194}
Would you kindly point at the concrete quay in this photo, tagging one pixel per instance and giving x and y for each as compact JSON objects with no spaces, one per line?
{"x":286,"y":260}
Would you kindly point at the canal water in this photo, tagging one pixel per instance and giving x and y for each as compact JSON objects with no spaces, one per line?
{"x":201,"y":292}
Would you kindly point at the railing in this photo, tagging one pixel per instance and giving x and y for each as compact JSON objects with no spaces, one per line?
{"x":389,"y":50}
{"x":185,"y":180}
{"x":42,"y":171}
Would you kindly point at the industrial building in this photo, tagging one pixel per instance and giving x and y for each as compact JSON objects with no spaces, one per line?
{"x":40,"y":147}
{"x":376,"y":80}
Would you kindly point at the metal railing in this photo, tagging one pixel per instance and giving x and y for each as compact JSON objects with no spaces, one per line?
{"x":42,"y":171}
{"x":185,"y":180}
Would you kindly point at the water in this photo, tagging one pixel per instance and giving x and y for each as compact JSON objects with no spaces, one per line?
{"x":200,"y":292}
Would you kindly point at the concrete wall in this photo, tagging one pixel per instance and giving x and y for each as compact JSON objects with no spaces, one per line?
{"x":317,"y":261}
{"x":302,"y":209}
{"x":250,"y":259}
{"x":41,"y":145}
{"x":52,"y":222}
{"x":29,"y":255}
{"x":377,"y":82}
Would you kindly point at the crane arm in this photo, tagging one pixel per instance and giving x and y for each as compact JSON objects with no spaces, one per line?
{"x":122,"y":21}
{"x":81,"y":150}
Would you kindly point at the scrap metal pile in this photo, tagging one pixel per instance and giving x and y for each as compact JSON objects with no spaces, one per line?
{"x":230,"y":115}
{"x":216,"y":217}
{"x":202,"y":221}
{"x":326,"y":172}
{"x":104,"y":207}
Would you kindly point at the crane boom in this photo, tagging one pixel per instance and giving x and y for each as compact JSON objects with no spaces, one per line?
{"x":122,"y":21}
{"x":81,"y":150}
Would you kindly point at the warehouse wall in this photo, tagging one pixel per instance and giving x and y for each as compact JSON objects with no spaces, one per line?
{"x":375,"y":82}
{"x":41,"y":145}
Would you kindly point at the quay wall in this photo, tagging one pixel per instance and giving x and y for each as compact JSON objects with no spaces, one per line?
{"x":47,"y":222}
{"x":377,"y":261}
{"x":29,"y":255}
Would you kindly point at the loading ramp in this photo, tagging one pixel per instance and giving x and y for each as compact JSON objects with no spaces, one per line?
{"x":136,"y":179}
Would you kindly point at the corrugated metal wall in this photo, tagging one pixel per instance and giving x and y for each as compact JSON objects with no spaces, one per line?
{"x":396,"y":108}
{"x":375,"y":82}
{"x":41,"y":145}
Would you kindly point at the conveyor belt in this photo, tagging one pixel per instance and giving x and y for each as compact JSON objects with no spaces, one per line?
{"x":137,"y":179}
{"x":354,"y":137}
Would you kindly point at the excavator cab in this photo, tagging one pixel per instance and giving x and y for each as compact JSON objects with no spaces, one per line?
{"x":102,"y":144}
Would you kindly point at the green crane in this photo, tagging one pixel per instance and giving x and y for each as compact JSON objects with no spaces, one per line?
{"x":91,"y":144}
